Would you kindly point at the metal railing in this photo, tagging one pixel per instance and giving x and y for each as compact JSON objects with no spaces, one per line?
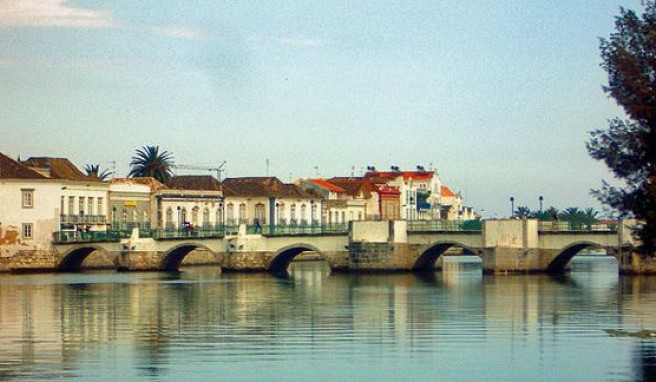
{"x":444,"y":225}
{"x":63,"y":237}
{"x":568,"y":226}
{"x":298,"y":229}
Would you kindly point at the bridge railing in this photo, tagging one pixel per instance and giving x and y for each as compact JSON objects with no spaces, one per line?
{"x":64,"y":237}
{"x":444,"y":225}
{"x":204,"y":232}
{"x":567,"y":226}
{"x":298,"y":229}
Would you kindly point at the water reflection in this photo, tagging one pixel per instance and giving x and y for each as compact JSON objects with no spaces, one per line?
{"x":199,"y":323}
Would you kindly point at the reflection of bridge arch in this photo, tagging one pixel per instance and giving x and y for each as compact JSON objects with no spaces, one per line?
{"x":173,"y":257}
{"x":429,"y":254}
{"x":558,"y":264}
{"x":281,"y":259}
{"x":72,"y":260}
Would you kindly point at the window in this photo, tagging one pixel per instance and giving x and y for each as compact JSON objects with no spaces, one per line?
{"x":292,"y":213}
{"x":28,"y":198}
{"x":61,"y":206}
{"x":90,"y":205}
{"x":206,"y":217}
{"x":81,"y":207}
{"x":169,"y":218}
{"x":303,"y":212}
{"x":100,"y":207}
{"x":28,"y":231}
{"x":231,"y":213}
{"x":194,"y":215}
{"x":71,"y":205}
{"x":242,"y":213}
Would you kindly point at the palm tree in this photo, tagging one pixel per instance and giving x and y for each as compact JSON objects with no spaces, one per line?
{"x":148,"y":161}
{"x":93,"y":170}
{"x":523,"y":212}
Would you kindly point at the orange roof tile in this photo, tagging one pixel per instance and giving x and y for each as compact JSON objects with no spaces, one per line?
{"x":327,"y":185}
{"x":446,"y":191}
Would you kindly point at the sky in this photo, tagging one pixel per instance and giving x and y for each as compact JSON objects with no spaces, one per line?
{"x":498,"y":96}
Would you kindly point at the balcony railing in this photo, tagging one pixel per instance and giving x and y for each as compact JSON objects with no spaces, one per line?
{"x":566,"y":226}
{"x":444,"y":225}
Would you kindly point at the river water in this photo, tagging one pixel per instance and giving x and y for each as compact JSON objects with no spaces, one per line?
{"x":453,"y":325}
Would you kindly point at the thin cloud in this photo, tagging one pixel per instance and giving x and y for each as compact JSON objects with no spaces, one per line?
{"x":51,"y":13}
{"x":178,"y":31}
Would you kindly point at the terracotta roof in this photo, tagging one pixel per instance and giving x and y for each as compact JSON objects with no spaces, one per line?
{"x":263,"y":187}
{"x":415,"y":175}
{"x":446,"y":191}
{"x":58,"y":168}
{"x":12,"y":169}
{"x":327,"y":185}
{"x":195,"y":182}
{"x":153,"y":183}
{"x":355,"y":186}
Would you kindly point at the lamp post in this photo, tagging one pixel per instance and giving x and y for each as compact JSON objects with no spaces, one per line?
{"x":512,"y":206}
{"x":179,"y":224}
{"x":541,"y":199}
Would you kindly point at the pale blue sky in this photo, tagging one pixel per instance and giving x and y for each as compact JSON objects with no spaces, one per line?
{"x":498,"y":95}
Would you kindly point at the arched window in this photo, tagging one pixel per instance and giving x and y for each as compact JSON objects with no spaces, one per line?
{"x":242,"y":213}
{"x":169,"y":218}
{"x":194,"y":215}
{"x":292,"y":214}
{"x":303,"y":213}
{"x":206,"y":217}
{"x":230,"y":213}
{"x":281,"y":214}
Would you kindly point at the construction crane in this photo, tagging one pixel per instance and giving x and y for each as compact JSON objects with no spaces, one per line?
{"x":219,"y":169}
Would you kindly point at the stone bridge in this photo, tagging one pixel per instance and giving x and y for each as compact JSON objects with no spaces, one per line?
{"x":505,"y":246}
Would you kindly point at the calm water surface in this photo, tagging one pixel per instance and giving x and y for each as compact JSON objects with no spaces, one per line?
{"x":311,"y":325}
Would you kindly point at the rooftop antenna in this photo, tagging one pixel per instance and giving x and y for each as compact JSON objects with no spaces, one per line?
{"x":352,"y":171}
{"x":267,"y":167}
{"x":316,"y":171}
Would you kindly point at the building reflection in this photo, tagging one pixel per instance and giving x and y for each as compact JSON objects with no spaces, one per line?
{"x":149,"y":321}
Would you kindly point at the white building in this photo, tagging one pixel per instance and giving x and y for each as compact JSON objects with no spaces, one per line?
{"x":43,"y":197}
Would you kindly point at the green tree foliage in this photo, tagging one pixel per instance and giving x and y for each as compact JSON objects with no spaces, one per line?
{"x":94,"y":171}
{"x":150,"y":162}
{"x":628,"y":147}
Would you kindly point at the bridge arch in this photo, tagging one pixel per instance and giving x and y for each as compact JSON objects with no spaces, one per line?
{"x":560,"y":261}
{"x":72,"y":260}
{"x":281,"y":259}
{"x":173,"y":257}
{"x":429,"y":254}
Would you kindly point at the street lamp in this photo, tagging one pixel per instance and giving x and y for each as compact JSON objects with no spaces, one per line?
{"x":541,"y":199}
{"x":179,"y":224}
{"x":512,"y":206}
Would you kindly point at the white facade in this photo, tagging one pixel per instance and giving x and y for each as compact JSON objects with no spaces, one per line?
{"x":25,"y":225}
{"x":131,"y":205}
{"x":178,"y":208}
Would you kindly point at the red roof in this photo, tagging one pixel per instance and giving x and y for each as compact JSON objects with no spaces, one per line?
{"x":446,"y":191}
{"x":327,"y":185}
